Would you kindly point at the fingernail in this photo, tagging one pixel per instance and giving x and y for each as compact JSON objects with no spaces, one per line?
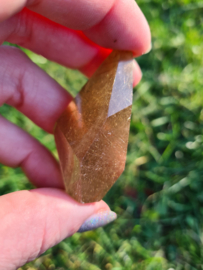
{"x":98,"y":220}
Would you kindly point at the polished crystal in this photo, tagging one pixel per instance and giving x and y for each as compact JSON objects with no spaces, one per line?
{"x":92,"y":134}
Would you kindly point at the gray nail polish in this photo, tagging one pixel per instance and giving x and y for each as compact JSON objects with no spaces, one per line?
{"x":98,"y":220}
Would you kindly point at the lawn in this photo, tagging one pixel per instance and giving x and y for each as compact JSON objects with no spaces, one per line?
{"x":159,"y":197}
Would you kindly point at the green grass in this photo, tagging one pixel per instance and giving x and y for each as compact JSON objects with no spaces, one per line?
{"x":159,"y":197}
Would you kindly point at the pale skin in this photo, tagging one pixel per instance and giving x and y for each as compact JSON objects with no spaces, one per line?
{"x":33,"y":221}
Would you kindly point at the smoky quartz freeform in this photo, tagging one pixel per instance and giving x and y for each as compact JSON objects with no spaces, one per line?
{"x":92,"y":133}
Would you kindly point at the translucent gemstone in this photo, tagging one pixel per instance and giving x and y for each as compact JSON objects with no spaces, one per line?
{"x":92,"y":133}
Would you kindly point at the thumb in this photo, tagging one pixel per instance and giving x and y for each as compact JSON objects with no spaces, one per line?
{"x":33,"y":221}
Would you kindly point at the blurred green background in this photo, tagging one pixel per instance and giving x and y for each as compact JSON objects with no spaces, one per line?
{"x":159,"y":197}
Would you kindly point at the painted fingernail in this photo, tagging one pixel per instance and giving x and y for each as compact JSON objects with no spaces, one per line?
{"x":98,"y":220}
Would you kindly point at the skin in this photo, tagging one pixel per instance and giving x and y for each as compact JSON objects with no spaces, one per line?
{"x":85,"y":31}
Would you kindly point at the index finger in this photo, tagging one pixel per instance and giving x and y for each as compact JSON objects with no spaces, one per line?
{"x":116,"y":24}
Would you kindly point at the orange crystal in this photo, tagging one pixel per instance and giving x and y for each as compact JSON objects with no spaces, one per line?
{"x":92,"y":133}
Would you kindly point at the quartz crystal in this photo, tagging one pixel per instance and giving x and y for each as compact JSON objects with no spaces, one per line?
{"x":92,"y":133}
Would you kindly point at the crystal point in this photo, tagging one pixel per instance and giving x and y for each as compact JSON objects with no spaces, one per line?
{"x":92,"y":133}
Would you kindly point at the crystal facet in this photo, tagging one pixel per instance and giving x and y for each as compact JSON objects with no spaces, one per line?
{"x":92,"y":134}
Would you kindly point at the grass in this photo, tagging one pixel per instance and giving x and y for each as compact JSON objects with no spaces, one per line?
{"x":159,"y":197}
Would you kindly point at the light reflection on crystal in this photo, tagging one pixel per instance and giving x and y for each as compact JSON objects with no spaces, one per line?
{"x":121,"y":96}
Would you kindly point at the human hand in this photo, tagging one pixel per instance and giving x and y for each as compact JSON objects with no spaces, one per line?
{"x":33,"y":221}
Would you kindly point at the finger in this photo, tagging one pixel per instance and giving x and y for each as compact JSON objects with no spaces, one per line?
{"x":124,"y":27}
{"x":55,"y":42}
{"x":36,"y":220}
{"x":18,"y":149}
{"x":137,"y":73}
{"x":115,"y":24}
{"x":39,"y":35}
{"x":103,"y":21}
{"x":29,"y":89}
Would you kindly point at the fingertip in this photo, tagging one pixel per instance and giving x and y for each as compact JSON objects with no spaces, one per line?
{"x":149,"y":48}
{"x":123,"y":28}
{"x":137,"y":73}
{"x":140,"y":36}
{"x":141,"y":44}
{"x":101,"y":206}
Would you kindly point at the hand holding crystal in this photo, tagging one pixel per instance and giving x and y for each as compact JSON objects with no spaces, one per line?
{"x":74,"y":34}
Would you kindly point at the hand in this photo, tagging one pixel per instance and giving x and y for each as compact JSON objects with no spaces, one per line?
{"x":33,"y":221}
